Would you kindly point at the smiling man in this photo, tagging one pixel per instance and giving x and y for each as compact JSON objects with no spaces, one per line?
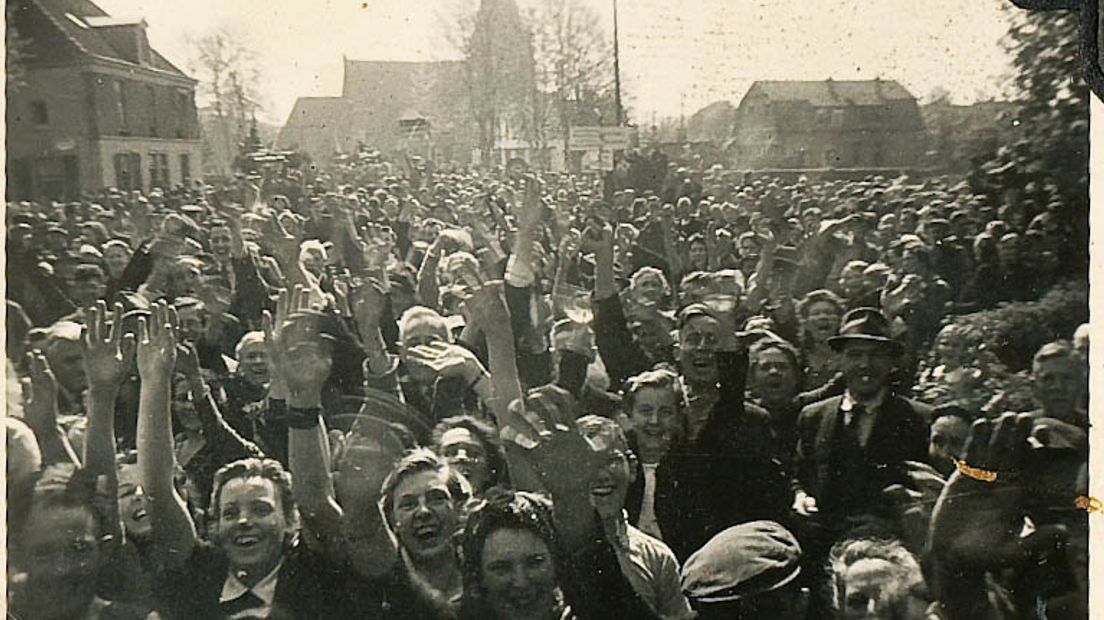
{"x":850,"y":447}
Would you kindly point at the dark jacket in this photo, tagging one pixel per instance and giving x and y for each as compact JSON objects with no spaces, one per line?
{"x":899,"y":434}
{"x":730,"y":474}
{"x":309,"y":587}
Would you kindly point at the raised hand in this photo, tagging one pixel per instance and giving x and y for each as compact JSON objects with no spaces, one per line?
{"x":305,"y":357}
{"x":107,"y":352}
{"x":276,"y":237}
{"x":978,"y":523}
{"x":446,"y":360}
{"x":40,"y":394}
{"x":215,"y":297}
{"x":187,"y":361}
{"x":157,"y":344}
{"x":367,"y":301}
{"x":544,"y":425}
{"x":378,"y":246}
{"x":533,"y":209}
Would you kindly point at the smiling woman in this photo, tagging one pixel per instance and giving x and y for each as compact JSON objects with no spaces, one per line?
{"x":510,"y":560}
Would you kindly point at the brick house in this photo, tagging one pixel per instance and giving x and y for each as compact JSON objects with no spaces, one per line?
{"x":867,"y":125}
{"x":97,"y":108}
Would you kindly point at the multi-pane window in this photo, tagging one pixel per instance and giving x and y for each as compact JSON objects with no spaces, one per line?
{"x":152,"y":110}
{"x":128,"y":171}
{"x":159,"y":170}
{"x":185,"y":168}
{"x":121,"y":107}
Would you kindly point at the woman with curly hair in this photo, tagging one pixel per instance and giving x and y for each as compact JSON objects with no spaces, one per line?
{"x":510,"y":559}
{"x":820,"y":312}
{"x":515,"y":566}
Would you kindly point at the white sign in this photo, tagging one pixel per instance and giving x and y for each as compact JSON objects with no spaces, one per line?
{"x":606,"y":138}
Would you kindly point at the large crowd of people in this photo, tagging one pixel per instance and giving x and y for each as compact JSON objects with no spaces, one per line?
{"x":386,"y":390}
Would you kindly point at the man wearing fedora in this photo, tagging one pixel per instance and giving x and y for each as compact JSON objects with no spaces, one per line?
{"x":852,"y":446}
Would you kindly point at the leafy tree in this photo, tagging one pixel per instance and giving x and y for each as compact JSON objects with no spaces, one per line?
{"x":1049,"y":165}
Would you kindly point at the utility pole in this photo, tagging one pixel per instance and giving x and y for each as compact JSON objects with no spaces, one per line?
{"x":617,"y":67}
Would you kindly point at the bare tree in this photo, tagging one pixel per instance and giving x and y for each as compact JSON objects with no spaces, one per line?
{"x":573,"y":58}
{"x":228,"y":75}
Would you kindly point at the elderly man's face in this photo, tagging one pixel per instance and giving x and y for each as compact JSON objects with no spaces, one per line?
{"x":67,"y":361}
{"x":871,"y":590}
{"x":1058,"y":385}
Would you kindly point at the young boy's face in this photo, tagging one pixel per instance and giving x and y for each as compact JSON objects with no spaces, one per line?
{"x":654,"y":422}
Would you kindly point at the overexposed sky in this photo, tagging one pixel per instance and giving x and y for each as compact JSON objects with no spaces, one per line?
{"x":676,"y":55}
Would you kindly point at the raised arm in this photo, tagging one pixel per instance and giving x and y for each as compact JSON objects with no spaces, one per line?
{"x":428,"y":291}
{"x":173,"y":534}
{"x":107,"y":355}
{"x":40,"y":411}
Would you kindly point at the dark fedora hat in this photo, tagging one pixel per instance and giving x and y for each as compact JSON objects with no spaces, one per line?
{"x":867,"y":325}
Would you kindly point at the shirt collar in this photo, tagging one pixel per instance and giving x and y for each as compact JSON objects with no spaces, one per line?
{"x":850,"y":401}
{"x":265,"y":589}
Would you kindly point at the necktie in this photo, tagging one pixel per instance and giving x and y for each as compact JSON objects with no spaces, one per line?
{"x":237,"y":608}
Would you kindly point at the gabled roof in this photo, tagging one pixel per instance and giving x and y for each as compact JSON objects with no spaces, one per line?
{"x":831,"y":93}
{"x":77,"y":25}
{"x":317,"y":111}
{"x":310,"y":116}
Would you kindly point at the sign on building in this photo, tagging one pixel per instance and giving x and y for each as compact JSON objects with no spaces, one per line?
{"x":599,"y":144}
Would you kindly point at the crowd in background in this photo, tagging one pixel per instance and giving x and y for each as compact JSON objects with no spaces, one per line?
{"x":388,"y":390}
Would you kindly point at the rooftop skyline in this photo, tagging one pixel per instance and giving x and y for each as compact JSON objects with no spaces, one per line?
{"x":676,"y":57}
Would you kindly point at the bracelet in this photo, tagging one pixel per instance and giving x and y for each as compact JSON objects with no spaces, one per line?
{"x":303,"y":419}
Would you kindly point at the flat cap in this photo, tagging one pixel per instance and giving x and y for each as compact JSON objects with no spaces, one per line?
{"x":742,"y":561}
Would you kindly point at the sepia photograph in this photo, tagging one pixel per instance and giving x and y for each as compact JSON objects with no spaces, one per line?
{"x":547,"y":310}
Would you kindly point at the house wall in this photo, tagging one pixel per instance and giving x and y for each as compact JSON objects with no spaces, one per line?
{"x":799,"y":135}
{"x":73,"y":150}
{"x":108,"y":147}
{"x":155,"y":106}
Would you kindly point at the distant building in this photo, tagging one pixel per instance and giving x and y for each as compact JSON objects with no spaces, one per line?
{"x":414,"y":107}
{"x":98,"y":107}
{"x":861,"y":125}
